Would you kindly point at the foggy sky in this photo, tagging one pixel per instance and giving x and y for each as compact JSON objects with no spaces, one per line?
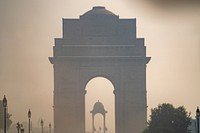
{"x":28,"y":28}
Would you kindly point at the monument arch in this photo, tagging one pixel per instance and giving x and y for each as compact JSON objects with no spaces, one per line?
{"x":99,"y":43}
{"x":96,"y":74}
{"x":100,"y":89}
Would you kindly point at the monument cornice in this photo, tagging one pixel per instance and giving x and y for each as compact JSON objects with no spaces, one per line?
{"x":99,"y":58}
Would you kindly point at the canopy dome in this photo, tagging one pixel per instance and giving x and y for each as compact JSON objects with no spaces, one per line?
{"x":98,"y":108}
{"x":98,"y":11}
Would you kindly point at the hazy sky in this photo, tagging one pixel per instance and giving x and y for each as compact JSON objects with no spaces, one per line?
{"x":28,"y":27}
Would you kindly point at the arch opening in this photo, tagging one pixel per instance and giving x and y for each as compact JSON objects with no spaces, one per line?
{"x":100,"y":89}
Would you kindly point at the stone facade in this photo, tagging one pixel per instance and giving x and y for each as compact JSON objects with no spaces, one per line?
{"x":99,"y":44}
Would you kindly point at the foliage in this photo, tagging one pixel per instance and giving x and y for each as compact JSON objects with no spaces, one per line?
{"x":167,"y":119}
{"x":9,"y":121}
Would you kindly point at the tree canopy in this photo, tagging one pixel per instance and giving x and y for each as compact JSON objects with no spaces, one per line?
{"x":9,"y":121}
{"x":168,"y":119}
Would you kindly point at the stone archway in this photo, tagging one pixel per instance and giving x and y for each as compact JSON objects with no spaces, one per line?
{"x":100,"y":89}
{"x":99,"y":44}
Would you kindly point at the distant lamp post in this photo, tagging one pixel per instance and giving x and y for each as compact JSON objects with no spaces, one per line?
{"x":5,"y":107}
{"x":49,"y":127}
{"x":42,"y":124}
{"x":29,"y":121}
{"x":197,"y":117}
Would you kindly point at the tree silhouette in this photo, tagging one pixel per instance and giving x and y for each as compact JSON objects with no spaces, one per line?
{"x":8,"y":121}
{"x":167,"y":119}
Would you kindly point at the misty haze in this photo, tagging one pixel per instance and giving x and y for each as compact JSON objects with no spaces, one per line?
{"x":94,"y":73}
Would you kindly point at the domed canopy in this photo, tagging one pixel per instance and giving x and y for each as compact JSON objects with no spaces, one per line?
{"x":98,"y":11}
{"x":98,"y":108}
